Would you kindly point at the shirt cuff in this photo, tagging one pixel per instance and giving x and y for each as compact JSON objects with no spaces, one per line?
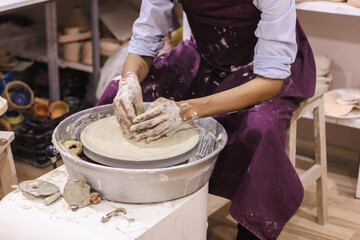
{"x":272,"y":66}
{"x":144,"y":48}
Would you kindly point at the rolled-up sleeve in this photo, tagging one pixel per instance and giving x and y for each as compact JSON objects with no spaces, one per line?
{"x":276,"y":48}
{"x":152,"y":24}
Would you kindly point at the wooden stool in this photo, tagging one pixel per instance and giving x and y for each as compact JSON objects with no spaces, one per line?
{"x":7,"y":167}
{"x":318,"y":171}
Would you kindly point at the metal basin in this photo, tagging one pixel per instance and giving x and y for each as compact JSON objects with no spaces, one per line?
{"x":135,"y":185}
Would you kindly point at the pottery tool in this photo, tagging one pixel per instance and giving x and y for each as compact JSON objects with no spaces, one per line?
{"x":207,"y":141}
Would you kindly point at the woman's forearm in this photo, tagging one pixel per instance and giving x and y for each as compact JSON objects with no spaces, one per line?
{"x":140,"y":65}
{"x":257,"y":90}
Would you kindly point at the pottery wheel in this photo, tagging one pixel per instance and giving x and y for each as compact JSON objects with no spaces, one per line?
{"x":104,"y":142}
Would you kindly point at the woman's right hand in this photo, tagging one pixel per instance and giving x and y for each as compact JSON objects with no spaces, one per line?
{"x":128,"y":102}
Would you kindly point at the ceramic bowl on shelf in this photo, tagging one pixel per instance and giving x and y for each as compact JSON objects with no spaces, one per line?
{"x":40,"y":111}
{"x":14,"y":117}
{"x":21,"y":96}
{"x":58,"y":108}
{"x":25,"y":100}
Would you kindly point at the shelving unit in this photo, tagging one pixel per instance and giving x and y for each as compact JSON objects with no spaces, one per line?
{"x":49,"y":54}
{"x":336,"y":9}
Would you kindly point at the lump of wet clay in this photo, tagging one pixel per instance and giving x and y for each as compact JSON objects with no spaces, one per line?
{"x":38,"y":188}
{"x":77,"y":193}
{"x":73,"y":146}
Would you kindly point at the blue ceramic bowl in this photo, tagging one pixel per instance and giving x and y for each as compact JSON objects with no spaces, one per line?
{"x":21,"y":96}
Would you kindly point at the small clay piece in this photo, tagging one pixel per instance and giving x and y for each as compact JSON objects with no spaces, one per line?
{"x":95,"y":198}
{"x":52,"y":198}
{"x":73,"y":146}
{"x":112,"y":214}
{"x":77,"y":193}
{"x":38,"y":188}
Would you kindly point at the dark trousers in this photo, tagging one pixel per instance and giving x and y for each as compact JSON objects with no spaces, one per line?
{"x":244,"y":234}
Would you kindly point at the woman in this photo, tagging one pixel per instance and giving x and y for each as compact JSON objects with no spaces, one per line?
{"x":249,"y":64}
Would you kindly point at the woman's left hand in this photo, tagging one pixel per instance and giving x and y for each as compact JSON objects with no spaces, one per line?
{"x":161,"y":117}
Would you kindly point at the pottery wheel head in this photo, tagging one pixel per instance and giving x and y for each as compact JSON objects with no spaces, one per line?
{"x":104,"y":142}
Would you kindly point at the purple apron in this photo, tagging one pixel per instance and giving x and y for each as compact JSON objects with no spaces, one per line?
{"x":253,"y":170}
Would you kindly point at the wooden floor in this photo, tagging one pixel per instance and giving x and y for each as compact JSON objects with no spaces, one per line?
{"x":344,"y":210}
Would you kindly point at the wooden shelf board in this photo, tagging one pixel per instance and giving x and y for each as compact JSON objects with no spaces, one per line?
{"x":75,"y":65}
{"x":353,"y":123}
{"x":8,"y":5}
{"x":341,"y":8}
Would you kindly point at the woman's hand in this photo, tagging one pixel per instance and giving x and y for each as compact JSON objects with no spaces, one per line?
{"x":162,"y":117}
{"x":128,"y":102}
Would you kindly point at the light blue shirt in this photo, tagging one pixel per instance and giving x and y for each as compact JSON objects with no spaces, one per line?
{"x":274,"y":52}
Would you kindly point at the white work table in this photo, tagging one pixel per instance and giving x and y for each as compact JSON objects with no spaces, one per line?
{"x":22,"y":218}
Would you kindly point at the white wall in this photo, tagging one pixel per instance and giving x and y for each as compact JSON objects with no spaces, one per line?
{"x":337,"y":36}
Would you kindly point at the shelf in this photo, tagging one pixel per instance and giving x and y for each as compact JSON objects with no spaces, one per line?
{"x":76,"y":66}
{"x":341,"y":8}
{"x":8,"y":5}
{"x":353,"y":123}
{"x":38,"y":53}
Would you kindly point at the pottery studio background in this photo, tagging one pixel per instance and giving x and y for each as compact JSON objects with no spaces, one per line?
{"x":332,"y":32}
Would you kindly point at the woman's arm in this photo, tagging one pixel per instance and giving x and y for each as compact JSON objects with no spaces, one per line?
{"x":257,"y":90}
{"x":140,"y":65}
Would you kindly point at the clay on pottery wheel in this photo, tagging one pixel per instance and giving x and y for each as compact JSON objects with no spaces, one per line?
{"x":21,"y":96}
{"x":77,"y":193}
{"x":104,"y":137}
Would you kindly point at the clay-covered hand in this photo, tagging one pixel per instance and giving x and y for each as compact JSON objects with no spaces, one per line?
{"x":161,"y":117}
{"x":128,"y":102}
